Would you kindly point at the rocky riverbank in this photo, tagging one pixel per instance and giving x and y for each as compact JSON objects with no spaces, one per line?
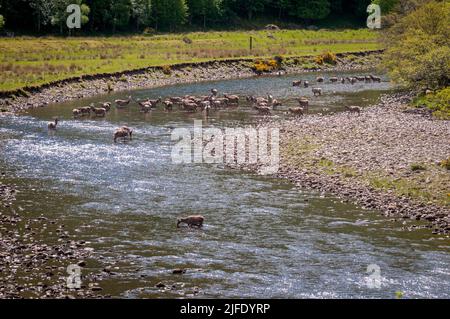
{"x":387,"y":159}
{"x":82,"y":87}
{"x":24,"y":255}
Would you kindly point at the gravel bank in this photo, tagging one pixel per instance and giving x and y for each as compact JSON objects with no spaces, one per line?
{"x":386,"y":159}
{"x":30,"y":268}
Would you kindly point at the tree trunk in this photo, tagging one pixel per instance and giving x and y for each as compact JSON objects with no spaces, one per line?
{"x":39,"y":23}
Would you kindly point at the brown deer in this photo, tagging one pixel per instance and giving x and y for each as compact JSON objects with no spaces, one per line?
{"x":304,"y":103}
{"x":317,"y":91}
{"x":105,"y":105}
{"x":52,"y":125}
{"x":123,"y":103}
{"x":123,"y":132}
{"x":76,"y":113}
{"x":298,"y":111}
{"x":353,"y":109}
{"x":168,"y":105}
{"x":191,"y":221}
{"x":100,"y":112}
{"x":334,"y":79}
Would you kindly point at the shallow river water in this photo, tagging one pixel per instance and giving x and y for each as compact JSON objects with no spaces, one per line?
{"x":263,"y":237}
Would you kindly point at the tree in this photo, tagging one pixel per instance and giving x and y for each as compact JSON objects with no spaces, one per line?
{"x":247,"y":7}
{"x":141,"y":12}
{"x":309,"y":9}
{"x":60,"y":14}
{"x":169,"y":14}
{"x":393,"y":10}
{"x":2,"y":22}
{"x":42,"y":9}
{"x":279,"y":6}
{"x":121,"y":13}
{"x":386,"y":5}
{"x":418,"y":47}
{"x":203,"y":10}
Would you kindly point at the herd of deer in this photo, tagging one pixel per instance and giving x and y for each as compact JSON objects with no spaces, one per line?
{"x":317,"y":91}
{"x":205,"y":103}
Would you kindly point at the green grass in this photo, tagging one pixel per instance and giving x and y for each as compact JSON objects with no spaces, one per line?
{"x":423,"y":183}
{"x":438,"y":102}
{"x":29,"y":61}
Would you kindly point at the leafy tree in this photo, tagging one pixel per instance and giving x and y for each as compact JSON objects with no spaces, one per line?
{"x":169,"y":14}
{"x":418,"y":47}
{"x":60,"y":14}
{"x":2,"y":22}
{"x":120,"y":13}
{"x":43,"y":10}
{"x":245,"y":7}
{"x":141,"y":12}
{"x":203,"y":10}
{"x":386,"y":5}
{"x":309,"y":9}
{"x":280,"y":6}
{"x":393,"y":12}
{"x":100,"y":17}
{"x":359,"y":7}
{"x":336,"y":6}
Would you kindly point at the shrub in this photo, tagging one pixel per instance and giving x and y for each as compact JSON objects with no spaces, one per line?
{"x":438,"y":102}
{"x":417,"y":167}
{"x":261,"y":66}
{"x":326,"y":57}
{"x":109,"y":86}
{"x":167,"y":69}
{"x":279,"y":59}
{"x":446,"y":163}
{"x":418,"y":47}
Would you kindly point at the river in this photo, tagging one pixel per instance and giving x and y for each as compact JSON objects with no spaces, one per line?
{"x":263,"y":237}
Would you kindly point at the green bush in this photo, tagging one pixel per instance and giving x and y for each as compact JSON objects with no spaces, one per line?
{"x":417,"y":167}
{"x":386,"y":5}
{"x":418,"y":47}
{"x":438,"y":102}
{"x":166,"y":69}
{"x":446,"y":163}
{"x":326,"y":57}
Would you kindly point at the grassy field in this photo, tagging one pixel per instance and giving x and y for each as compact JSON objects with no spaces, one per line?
{"x":29,"y":61}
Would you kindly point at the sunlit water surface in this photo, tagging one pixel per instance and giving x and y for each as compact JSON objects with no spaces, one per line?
{"x":263,"y":237}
